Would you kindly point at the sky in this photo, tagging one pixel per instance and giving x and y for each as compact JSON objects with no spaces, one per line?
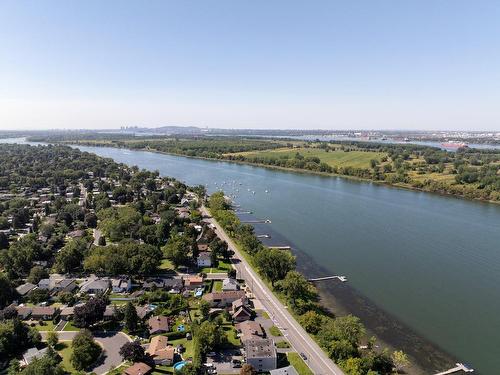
{"x":375,"y":64}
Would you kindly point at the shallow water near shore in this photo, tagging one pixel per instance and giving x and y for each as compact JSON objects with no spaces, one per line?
{"x":421,"y":268}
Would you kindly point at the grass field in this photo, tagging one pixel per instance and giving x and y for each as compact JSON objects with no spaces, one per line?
{"x":47,"y":326}
{"x":355,"y":159}
{"x":217,"y":286}
{"x":64,"y":350}
{"x":274,"y":331}
{"x":299,"y":364}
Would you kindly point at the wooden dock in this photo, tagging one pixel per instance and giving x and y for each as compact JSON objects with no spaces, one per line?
{"x":280,"y":247}
{"x":459,"y":367}
{"x":341,"y":278}
{"x":267,"y":221}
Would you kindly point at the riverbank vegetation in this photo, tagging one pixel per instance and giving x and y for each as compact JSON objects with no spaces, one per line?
{"x":468,"y":173}
{"x":340,"y":337}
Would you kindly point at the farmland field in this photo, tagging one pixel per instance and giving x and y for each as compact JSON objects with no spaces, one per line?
{"x":337,"y":158}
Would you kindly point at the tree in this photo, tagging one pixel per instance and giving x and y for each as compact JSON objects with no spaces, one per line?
{"x":38,"y":295}
{"x":90,"y":220}
{"x":85,"y":350}
{"x":47,"y":365}
{"x":15,"y":336}
{"x":400,"y":360}
{"x":130,"y":317}
{"x":37,"y":273}
{"x":52,"y":338}
{"x":71,"y":256}
{"x":311,"y":321}
{"x":7,"y":291}
{"x":4,"y":241}
{"x":295,"y":286}
{"x":209,"y":336}
{"x":89,"y":313}
{"x":247,"y":369}
{"x":177,"y":250}
{"x":132,"y":351}
{"x":274,"y":263}
{"x":204,"y":307}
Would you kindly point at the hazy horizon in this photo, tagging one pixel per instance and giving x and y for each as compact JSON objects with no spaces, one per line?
{"x":387,"y":65}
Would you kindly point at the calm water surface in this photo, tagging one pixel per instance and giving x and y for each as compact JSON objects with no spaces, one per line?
{"x":432,"y":262}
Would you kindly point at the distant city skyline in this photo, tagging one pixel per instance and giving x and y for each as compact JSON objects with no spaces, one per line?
{"x":383,"y":65}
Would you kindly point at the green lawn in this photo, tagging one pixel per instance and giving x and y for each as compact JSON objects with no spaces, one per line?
{"x":232,"y":339}
{"x":274,"y":331}
{"x":47,"y":326}
{"x":356,"y":159}
{"x":188,"y":344}
{"x":166,"y":265}
{"x":221,"y":268}
{"x":263,"y":313}
{"x":299,"y":364}
{"x":217,"y":286}
{"x":64,"y":350}
{"x":283,"y":345}
{"x":70,"y":327}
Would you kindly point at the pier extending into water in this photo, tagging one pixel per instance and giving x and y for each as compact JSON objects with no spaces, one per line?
{"x":459,"y":367}
{"x":266,"y":221}
{"x":341,"y":278}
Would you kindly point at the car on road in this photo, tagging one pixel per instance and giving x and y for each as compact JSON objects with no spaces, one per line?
{"x":304,"y":357}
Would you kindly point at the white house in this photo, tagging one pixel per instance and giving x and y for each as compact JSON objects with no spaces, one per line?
{"x":204,"y":259}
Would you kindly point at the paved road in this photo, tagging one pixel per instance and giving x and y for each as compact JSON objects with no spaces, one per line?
{"x":300,"y":340}
{"x":111,"y":343}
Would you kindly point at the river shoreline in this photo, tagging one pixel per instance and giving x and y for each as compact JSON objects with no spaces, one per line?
{"x":343,"y":299}
{"x":295,"y":170}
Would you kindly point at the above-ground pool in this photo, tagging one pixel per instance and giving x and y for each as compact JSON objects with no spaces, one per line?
{"x":179,"y":365}
{"x":181,"y":328}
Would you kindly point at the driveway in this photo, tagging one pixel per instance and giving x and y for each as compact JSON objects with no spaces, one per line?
{"x":111,"y":342}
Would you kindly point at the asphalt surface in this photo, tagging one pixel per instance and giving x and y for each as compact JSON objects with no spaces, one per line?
{"x":111,"y":342}
{"x":317,"y":360}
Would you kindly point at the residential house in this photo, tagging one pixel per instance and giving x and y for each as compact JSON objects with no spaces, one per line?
{"x":43,"y":313}
{"x":144,"y":311}
{"x":160,"y":351}
{"x":223,"y":299}
{"x":138,"y":368}
{"x":67,"y":313}
{"x":250,"y":330}
{"x":109,"y":313}
{"x":240,"y":310}
{"x":64,"y":285}
{"x":33,"y":353}
{"x":202,"y":247}
{"x":158,"y":324}
{"x":97,"y":286}
{"x":173,"y":285}
{"x":192,"y":282}
{"x":261,"y":354}
{"x":230,"y":284}
{"x":76,"y":234}
{"x":23,"y":312}
{"x":288,"y":370}
{"x":204,"y":259}
{"x":121,"y":284}
{"x":25,"y":288}
{"x":58,"y":284}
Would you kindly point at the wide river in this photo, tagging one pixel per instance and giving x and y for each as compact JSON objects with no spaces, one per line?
{"x":429,"y":261}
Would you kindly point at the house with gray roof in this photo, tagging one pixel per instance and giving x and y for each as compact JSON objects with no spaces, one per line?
{"x":25,"y":288}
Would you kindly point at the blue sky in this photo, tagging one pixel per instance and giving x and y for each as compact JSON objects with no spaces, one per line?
{"x":260,"y":64}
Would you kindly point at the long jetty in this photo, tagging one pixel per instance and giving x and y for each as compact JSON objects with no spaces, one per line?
{"x":459,"y":367}
{"x":341,"y":278}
